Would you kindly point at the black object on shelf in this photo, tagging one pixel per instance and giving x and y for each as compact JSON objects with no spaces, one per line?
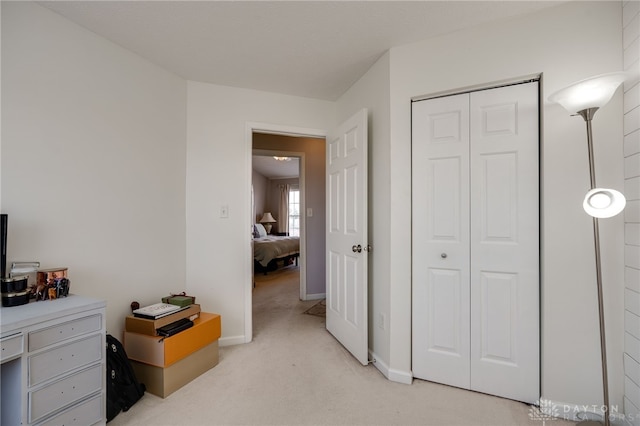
{"x":175,"y":327}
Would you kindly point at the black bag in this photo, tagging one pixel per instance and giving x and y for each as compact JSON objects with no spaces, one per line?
{"x":123,"y":389}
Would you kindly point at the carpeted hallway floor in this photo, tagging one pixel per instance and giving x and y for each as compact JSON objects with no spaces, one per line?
{"x":295,"y":373}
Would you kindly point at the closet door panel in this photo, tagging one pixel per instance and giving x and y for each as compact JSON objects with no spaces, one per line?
{"x":498,"y":308}
{"x":504,"y":242}
{"x":440,"y":172}
{"x":498,"y":210}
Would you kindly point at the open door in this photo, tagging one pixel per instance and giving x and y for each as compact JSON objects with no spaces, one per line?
{"x":347,"y":240}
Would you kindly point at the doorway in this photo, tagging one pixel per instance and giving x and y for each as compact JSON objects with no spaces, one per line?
{"x":278,"y":193}
{"x":309,"y":146}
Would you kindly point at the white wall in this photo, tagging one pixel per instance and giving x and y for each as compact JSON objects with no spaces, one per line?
{"x":631,"y":45}
{"x":219,"y":151}
{"x":1,"y":209}
{"x":93,"y":160}
{"x":566,"y":43}
{"x":372,"y":92}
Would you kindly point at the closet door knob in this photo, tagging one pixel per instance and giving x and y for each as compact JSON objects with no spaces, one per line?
{"x":443,"y":255}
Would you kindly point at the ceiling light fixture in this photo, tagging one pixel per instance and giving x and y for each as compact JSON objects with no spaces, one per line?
{"x":282,"y":158}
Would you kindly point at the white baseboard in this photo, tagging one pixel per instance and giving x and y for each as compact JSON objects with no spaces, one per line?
{"x":231,"y":340}
{"x":316,"y":296}
{"x":578,"y":412}
{"x":390,"y":373}
{"x":405,"y":377}
{"x":379,"y":364}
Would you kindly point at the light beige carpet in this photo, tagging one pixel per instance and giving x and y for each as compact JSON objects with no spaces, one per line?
{"x":295,"y":373}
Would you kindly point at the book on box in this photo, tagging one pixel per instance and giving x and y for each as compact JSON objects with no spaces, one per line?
{"x":157,"y":310}
{"x":149,"y":326}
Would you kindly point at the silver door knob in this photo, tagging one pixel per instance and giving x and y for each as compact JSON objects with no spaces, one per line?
{"x":356,"y":249}
{"x":443,"y":255}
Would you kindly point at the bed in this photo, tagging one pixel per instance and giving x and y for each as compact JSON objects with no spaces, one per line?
{"x":269,"y":249}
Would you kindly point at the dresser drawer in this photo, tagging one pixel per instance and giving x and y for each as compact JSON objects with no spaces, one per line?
{"x":62,"y":359}
{"x":11,"y":346}
{"x":87,"y":412}
{"x":60,"y":394}
{"x":42,"y":338}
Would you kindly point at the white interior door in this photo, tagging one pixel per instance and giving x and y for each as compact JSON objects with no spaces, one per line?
{"x":347,"y":242}
{"x":505,"y":342}
{"x":475,"y":241}
{"x":441,"y":333}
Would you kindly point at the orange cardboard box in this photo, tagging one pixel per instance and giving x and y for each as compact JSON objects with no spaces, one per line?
{"x":160,"y":352}
{"x":148,"y":326}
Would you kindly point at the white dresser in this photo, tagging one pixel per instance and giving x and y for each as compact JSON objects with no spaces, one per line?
{"x":52,"y":362}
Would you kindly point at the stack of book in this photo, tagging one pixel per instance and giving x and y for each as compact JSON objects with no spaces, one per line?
{"x":162,"y":310}
{"x":179,"y":299}
{"x":162,"y":319}
{"x":156,"y":311}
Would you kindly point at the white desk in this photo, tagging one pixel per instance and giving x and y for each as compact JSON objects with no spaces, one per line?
{"x":52,"y":362}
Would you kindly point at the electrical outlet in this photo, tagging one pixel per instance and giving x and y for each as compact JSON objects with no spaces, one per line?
{"x":382,"y":321}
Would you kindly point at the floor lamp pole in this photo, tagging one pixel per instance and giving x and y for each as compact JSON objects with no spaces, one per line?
{"x":587,"y":114}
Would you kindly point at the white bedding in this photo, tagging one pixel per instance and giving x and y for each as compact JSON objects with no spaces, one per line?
{"x":265,"y":249}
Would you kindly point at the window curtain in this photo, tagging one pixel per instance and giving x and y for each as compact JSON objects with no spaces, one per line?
{"x":283,"y":212}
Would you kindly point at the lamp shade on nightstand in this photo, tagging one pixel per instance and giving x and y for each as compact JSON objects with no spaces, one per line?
{"x":267,"y":219}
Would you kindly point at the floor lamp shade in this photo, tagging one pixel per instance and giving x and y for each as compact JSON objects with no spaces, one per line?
{"x":593,"y":92}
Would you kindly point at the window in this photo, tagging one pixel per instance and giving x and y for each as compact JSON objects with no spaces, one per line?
{"x":294,"y":212}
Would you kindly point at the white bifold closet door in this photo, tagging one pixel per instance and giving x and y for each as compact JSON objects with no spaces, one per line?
{"x":475,"y":253}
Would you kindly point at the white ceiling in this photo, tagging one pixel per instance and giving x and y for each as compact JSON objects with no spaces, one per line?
{"x":271,"y":168}
{"x":315,"y":49}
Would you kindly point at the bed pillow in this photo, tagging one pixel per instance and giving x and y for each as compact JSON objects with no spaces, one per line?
{"x":259,"y":230}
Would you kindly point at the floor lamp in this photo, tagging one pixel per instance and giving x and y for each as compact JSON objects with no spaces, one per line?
{"x":584,"y":98}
